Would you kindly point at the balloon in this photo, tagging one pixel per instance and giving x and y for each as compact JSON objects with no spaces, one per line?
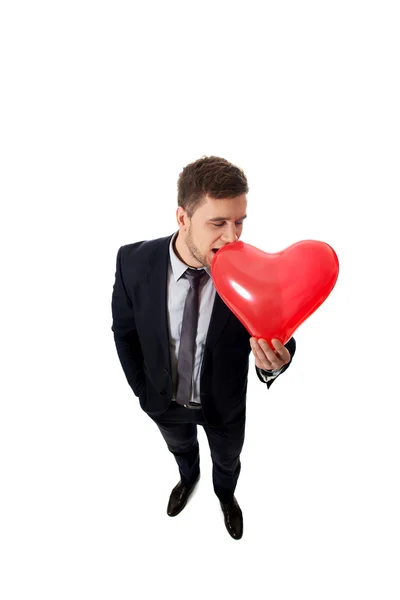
{"x":272,"y":294}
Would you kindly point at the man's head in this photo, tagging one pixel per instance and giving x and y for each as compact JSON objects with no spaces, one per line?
{"x":212,"y":205}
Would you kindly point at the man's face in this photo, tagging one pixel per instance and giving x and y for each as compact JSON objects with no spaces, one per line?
{"x":213,"y":225}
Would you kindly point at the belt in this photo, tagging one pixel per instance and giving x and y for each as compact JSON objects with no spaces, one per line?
{"x":192,"y":405}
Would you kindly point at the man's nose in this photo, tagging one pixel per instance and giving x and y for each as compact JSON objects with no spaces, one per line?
{"x":230,"y":236}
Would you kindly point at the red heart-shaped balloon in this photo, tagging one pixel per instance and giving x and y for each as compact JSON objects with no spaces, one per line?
{"x":272,"y":294}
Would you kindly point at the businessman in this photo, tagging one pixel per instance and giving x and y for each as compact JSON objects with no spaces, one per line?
{"x":183,"y":351}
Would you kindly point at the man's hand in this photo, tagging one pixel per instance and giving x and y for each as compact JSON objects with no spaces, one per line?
{"x":266,"y":358}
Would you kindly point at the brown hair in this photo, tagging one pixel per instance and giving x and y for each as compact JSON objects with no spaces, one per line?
{"x":212,"y":176}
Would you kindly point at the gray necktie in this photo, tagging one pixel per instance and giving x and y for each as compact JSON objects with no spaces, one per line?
{"x":188,"y":337}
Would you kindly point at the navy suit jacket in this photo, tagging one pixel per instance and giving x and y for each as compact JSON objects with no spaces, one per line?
{"x":140,"y":327}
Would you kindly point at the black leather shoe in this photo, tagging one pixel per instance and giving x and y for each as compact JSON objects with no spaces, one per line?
{"x":233,"y":518}
{"x":178,"y":498}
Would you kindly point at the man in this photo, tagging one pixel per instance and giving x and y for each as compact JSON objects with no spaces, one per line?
{"x":183,"y":351}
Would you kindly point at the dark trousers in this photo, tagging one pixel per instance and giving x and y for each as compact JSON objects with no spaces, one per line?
{"x":178,"y":426}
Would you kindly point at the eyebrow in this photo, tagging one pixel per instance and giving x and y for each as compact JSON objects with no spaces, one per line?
{"x":225,"y":219}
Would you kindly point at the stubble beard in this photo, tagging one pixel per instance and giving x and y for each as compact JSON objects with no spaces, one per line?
{"x":194,"y":251}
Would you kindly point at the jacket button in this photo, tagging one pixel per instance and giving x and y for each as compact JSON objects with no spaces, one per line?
{"x":166,"y":371}
{"x":163,"y":392}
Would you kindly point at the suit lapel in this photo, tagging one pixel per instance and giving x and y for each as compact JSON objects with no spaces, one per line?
{"x":154,"y":297}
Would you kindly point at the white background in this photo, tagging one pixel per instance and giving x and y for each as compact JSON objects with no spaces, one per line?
{"x":102,"y":105}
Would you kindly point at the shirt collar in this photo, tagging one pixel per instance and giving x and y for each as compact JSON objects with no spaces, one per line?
{"x":178,"y":266}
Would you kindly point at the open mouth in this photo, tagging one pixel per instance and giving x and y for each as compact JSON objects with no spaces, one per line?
{"x":215,"y":250}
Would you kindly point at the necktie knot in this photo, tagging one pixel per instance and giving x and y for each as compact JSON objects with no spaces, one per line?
{"x":194,"y":276}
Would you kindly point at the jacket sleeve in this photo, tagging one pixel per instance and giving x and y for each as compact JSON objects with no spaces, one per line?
{"x":125,"y":333}
{"x":269,"y":377}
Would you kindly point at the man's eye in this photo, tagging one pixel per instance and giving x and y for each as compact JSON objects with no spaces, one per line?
{"x":221,"y":224}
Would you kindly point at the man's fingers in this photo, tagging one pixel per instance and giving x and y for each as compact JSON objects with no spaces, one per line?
{"x":281,"y":350}
{"x":271,"y":355}
{"x":277,"y":345}
{"x":259,"y":355}
{"x":265,"y":356}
